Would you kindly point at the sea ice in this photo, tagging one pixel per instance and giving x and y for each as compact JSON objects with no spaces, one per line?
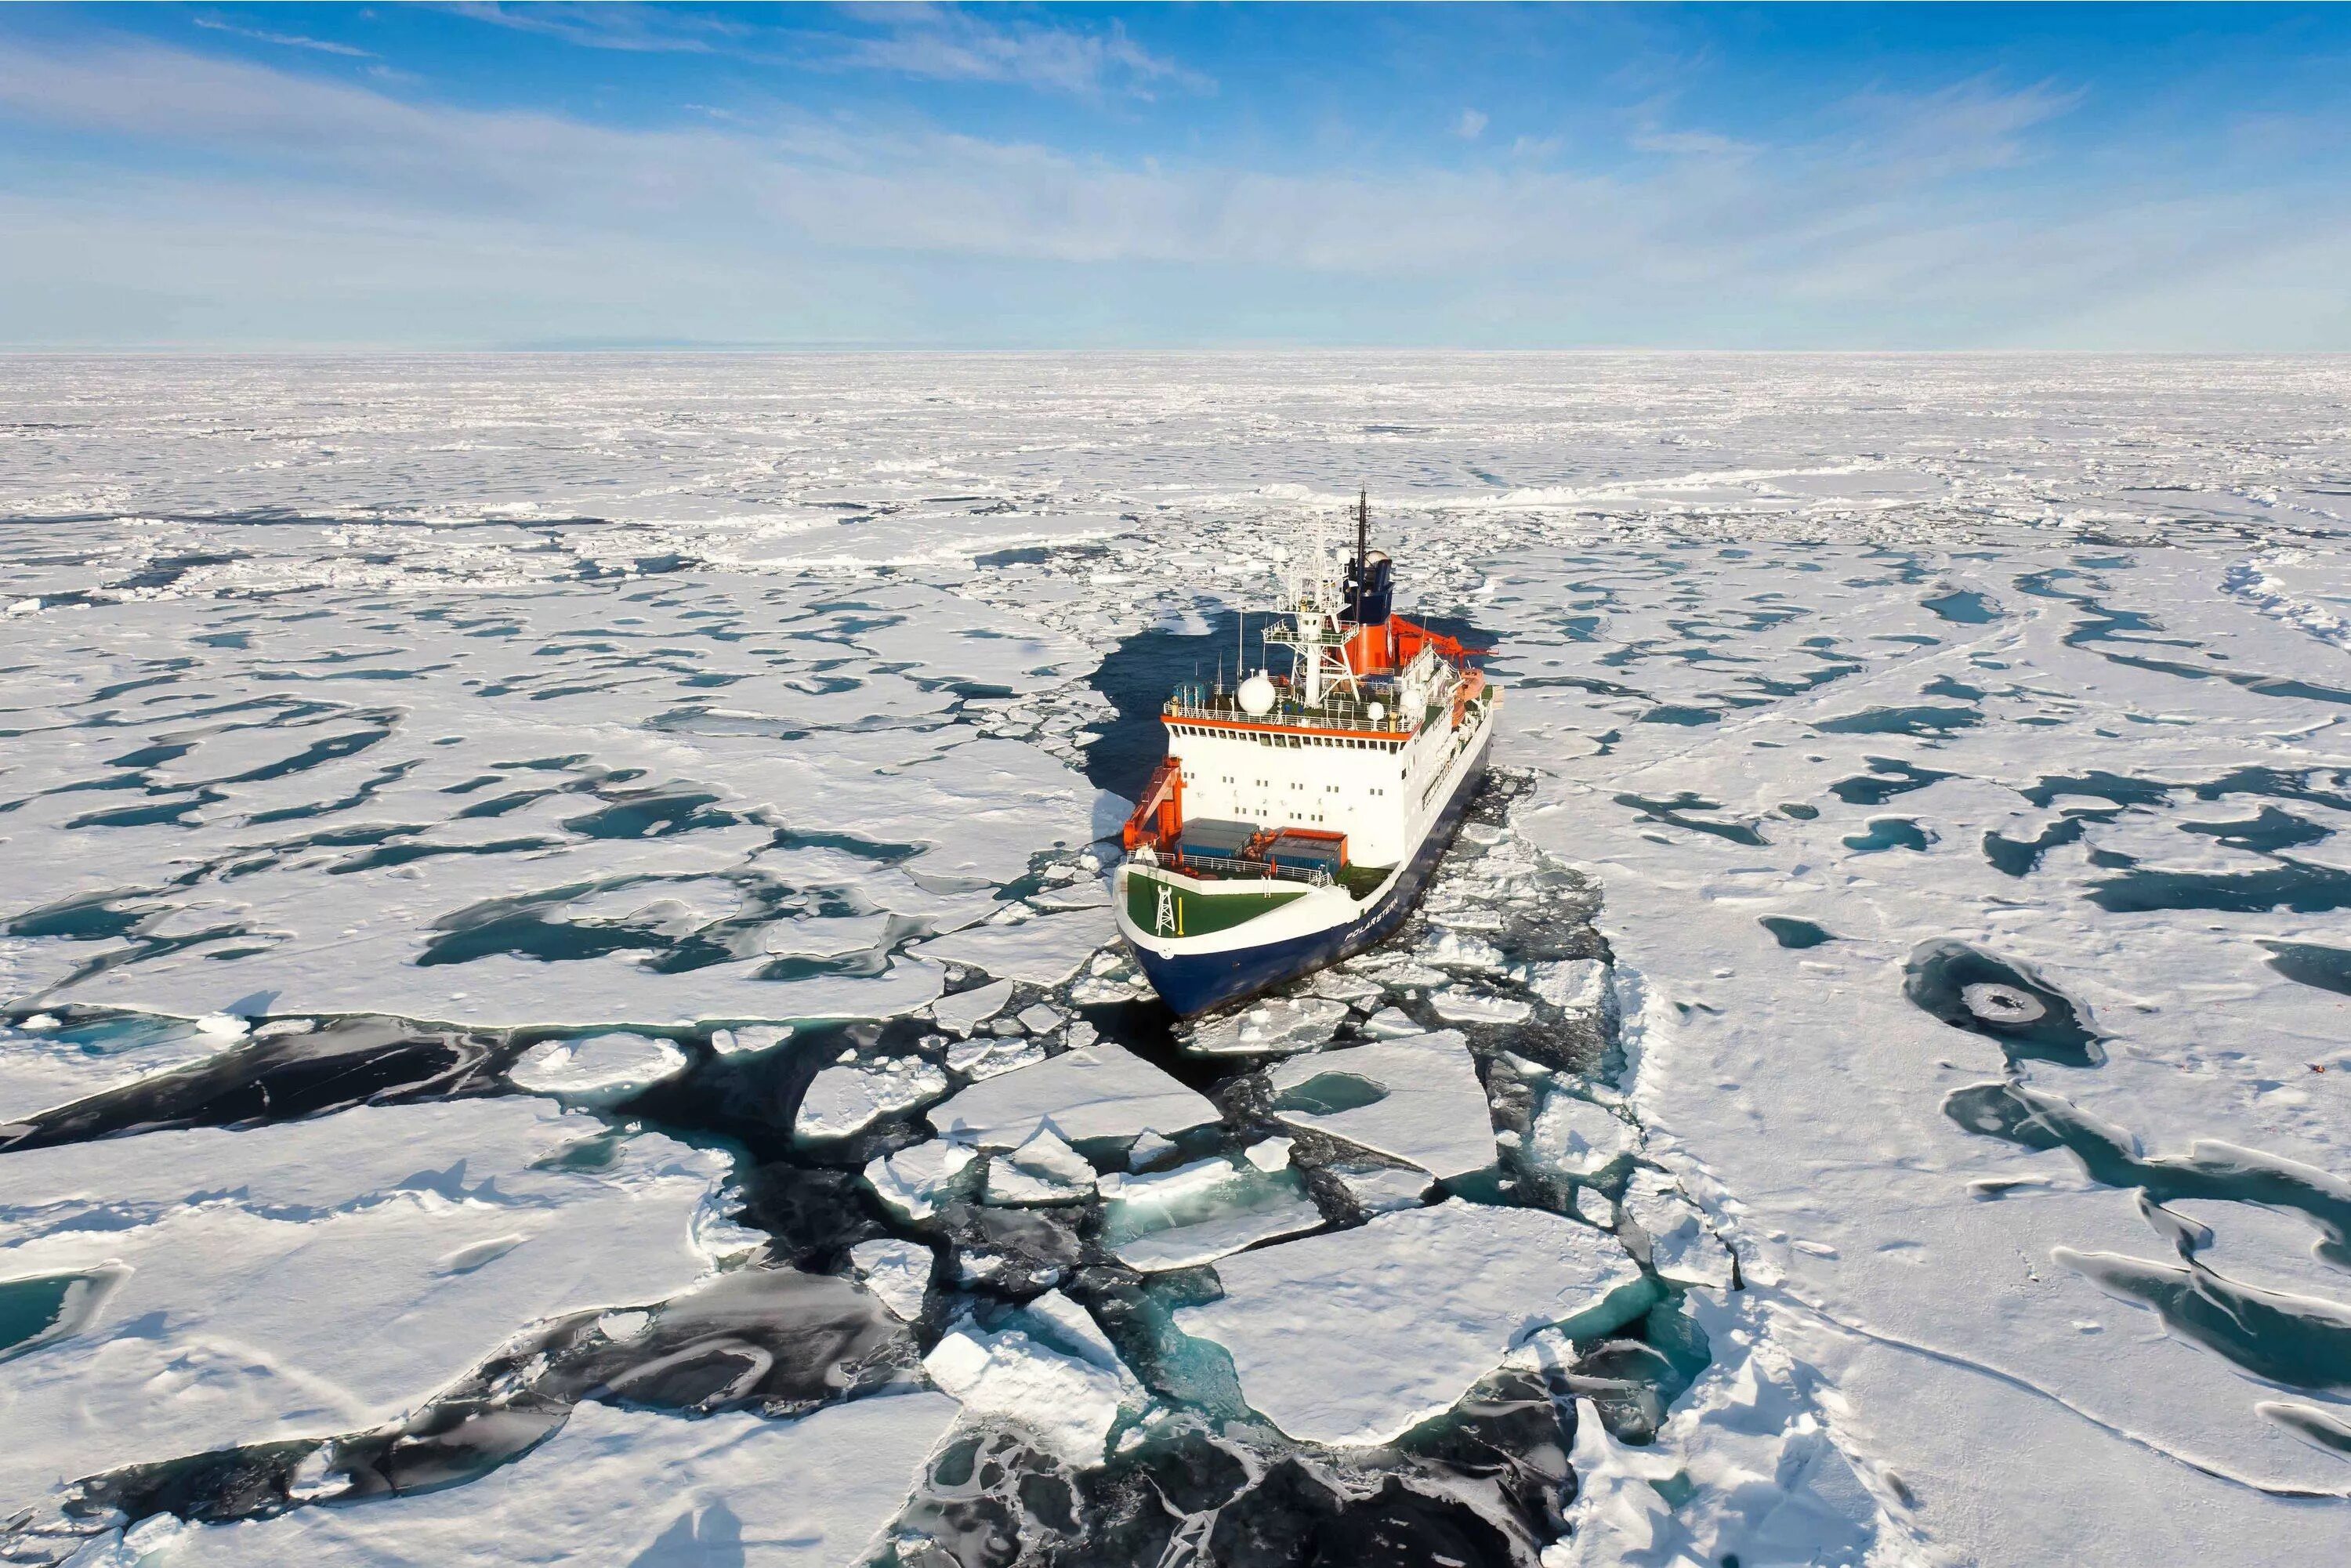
{"x":853,"y":1094}
{"x":1416,"y":1098}
{"x":636,"y":1486}
{"x":598,"y":1070}
{"x":1044,"y":951}
{"x":897,"y":1271}
{"x":1681,"y":1249}
{"x":316,"y":1277}
{"x":1043,"y":1169}
{"x":966,"y":1011}
{"x":1071,"y":1402}
{"x":1199,"y":1212}
{"x":1355,"y":1336}
{"x":1273,"y":1025}
{"x":1574,"y":1137}
{"x":1097,"y":1092}
{"x":912,"y":1180}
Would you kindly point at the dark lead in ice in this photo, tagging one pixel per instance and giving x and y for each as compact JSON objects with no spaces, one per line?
{"x":1971,"y":989}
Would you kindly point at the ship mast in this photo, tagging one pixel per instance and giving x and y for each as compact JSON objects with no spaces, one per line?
{"x":1315,"y":635}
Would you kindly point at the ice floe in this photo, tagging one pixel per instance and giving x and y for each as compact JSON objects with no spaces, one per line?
{"x":318,"y":1276}
{"x":1416,"y":1098}
{"x":599,"y":1069}
{"x":858,"y":1091}
{"x":1068,"y":1401}
{"x":1096,"y":1092}
{"x":1357,"y":1336}
{"x":622,"y":1485}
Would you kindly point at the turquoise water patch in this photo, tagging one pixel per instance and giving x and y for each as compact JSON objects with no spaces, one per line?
{"x":1329,"y":1093}
{"x":1796,"y":934}
{"x":1963,"y":606}
{"x":1889,"y":833}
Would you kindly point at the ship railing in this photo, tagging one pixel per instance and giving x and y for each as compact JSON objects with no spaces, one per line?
{"x":1331,"y":717}
{"x":1220,"y":865}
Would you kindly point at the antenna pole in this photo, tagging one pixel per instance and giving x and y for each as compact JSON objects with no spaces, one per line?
{"x":1363,"y":534}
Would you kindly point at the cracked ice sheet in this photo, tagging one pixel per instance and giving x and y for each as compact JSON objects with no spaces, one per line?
{"x":1355,"y":1336}
{"x":1096,"y":1092}
{"x":324,"y":886}
{"x":1433,"y":1113}
{"x":317,"y":1277}
{"x":1799,"y":1095}
{"x":632,"y":1485}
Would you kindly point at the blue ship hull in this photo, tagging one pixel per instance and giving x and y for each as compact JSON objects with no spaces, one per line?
{"x":1193,"y":983}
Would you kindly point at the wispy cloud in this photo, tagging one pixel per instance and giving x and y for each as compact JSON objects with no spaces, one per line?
{"x":1471,"y":125}
{"x":1691,"y":144}
{"x":330,"y":201}
{"x":290,"y":40}
{"x":948,"y":44}
{"x":634,"y":29}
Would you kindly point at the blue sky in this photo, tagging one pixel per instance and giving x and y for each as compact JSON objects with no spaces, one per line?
{"x":1111,"y":177}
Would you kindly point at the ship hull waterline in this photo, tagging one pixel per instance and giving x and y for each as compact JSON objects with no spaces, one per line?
{"x":1192,"y":983}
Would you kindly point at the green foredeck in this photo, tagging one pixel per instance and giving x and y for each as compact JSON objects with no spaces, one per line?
{"x":1191,"y":913}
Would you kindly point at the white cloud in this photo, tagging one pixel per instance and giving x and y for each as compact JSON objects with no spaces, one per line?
{"x":635,"y":29}
{"x":1470,"y":126}
{"x":290,"y":40}
{"x":1691,"y":144}
{"x":341,"y":204}
{"x":943,"y":43}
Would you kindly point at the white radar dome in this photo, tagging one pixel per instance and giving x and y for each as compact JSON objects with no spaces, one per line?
{"x":1257,"y":696}
{"x":1379,"y":712}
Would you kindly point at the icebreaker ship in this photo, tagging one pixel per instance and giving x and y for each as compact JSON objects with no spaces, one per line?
{"x":1297,"y":816}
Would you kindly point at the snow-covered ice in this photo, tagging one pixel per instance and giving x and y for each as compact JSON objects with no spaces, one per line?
{"x":858,"y":1091}
{"x":1357,"y":1336}
{"x":897,"y":1271}
{"x":1863,"y":696}
{"x":316,"y":1277}
{"x":599,"y":1069}
{"x":1069,"y":1401}
{"x":630,"y":1486}
{"x":1416,"y":1098}
{"x":1096,"y":1092}
{"x":1575,"y":1137}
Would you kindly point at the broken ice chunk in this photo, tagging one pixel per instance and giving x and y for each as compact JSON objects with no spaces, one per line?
{"x":1148,"y":1149}
{"x":1390,"y":1023}
{"x":1571,"y":985}
{"x":1043,"y":1170}
{"x":897,"y":1271}
{"x":985,"y":1055}
{"x":749,"y":1039}
{"x":912,"y":1180}
{"x":1100,"y":1092}
{"x":1417,"y":1099}
{"x":1574,"y":1137}
{"x":1591,"y":1205}
{"x":961,"y":1013}
{"x":1381,"y":1188}
{"x":1338,"y":985}
{"x":1458,"y":1005}
{"x":1045,"y":950}
{"x":854,"y":1094}
{"x":1460,"y":950}
{"x":1039,"y":1017}
{"x":1273,"y":1025}
{"x":598,"y":1070}
{"x":1268,"y":1154}
{"x":1355,"y":1336}
{"x":1073,"y":1329}
{"x":1068,"y":1401}
{"x":1681,"y":1249}
{"x":1202,"y":1211}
